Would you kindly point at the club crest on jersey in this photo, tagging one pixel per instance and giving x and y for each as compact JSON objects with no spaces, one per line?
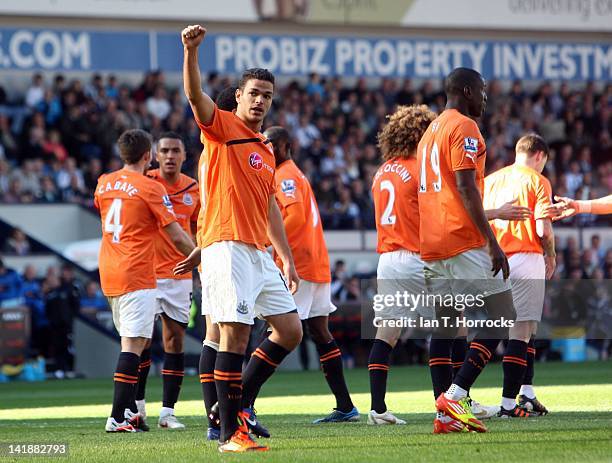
{"x":470,"y":145}
{"x":187,"y":199}
{"x":242,"y":308}
{"x":255,"y":160}
{"x":288,"y":187}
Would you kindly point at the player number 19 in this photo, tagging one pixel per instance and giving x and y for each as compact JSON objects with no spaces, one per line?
{"x":435,"y":166}
{"x":112,"y":223}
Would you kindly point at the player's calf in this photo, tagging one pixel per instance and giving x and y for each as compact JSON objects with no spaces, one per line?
{"x":331,"y":362}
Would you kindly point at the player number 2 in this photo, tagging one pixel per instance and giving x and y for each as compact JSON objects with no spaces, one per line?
{"x":435,"y":166}
{"x":112,"y":223}
{"x":387,"y":218}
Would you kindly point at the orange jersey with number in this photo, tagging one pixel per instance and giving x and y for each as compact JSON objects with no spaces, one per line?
{"x":185,"y":198}
{"x":396,"y":205}
{"x":236,"y":180}
{"x":530,"y":189}
{"x":132,"y":208}
{"x":451,"y":143}
{"x":302,"y":224}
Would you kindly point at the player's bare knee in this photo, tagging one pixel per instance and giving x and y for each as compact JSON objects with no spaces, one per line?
{"x":521,"y":331}
{"x":389,"y":335}
{"x":319,"y":333}
{"x":212,"y":330}
{"x":173,"y":343}
{"x":234,"y":337}
{"x":212,"y":336}
{"x":289,"y":335}
{"x":293,"y":335}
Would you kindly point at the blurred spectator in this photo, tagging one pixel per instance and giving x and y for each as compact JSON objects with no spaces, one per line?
{"x":49,"y":193}
{"x":158,"y":105}
{"x":345,"y":212}
{"x":33,"y":294}
{"x":4,"y":177}
{"x":62,"y":304}
{"x":93,"y":301}
{"x":29,"y":177}
{"x":596,"y":249}
{"x":17,"y":243}
{"x":36,"y":91}
{"x":351,"y":291}
{"x":338,"y":275}
{"x":314,"y":87}
{"x":334,"y":127}
{"x":10,"y":283}
{"x":53,"y":147}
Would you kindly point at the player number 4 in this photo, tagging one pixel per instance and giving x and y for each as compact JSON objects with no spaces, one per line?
{"x":112,"y":223}
{"x":435,"y":167}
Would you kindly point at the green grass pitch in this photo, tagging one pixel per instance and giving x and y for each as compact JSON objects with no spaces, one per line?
{"x":579,"y":427}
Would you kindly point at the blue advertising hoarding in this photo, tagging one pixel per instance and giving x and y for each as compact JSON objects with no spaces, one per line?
{"x":124,"y":51}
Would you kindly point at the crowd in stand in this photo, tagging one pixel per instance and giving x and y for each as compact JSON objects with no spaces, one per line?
{"x":60,"y":136}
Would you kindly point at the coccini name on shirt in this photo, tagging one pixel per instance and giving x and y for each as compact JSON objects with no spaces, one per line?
{"x":118,"y":186}
{"x":396,"y":169}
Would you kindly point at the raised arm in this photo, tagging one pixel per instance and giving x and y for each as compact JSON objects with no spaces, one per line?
{"x":201,"y":104}
{"x":466,"y":184}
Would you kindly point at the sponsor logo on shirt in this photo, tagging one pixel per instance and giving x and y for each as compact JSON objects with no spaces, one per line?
{"x":187,"y":199}
{"x":255,"y":160}
{"x":288,"y":187}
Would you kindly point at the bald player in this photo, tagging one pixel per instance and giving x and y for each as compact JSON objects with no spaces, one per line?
{"x":313,"y":299}
{"x":462,"y":256}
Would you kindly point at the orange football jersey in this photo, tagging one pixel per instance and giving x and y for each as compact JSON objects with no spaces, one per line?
{"x":532,"y":190}
{"x":132,"y":208}
{"x":396,"y":205}
{"x":305,"y":232}
{"x":451,"y":143}
{"x":185,"y":198}
{"x":236,"y":181}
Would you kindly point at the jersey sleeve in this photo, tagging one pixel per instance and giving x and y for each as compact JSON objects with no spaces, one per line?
{"x":543,"y":198}
{"x":160,"y":205}
{"x":466,"y":146}
{"x":196,"y":209}
{"x":219,"y":128}
{"x":287,"y":191}
{"x":96,"y":200}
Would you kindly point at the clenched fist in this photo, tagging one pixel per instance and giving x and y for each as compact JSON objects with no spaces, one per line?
{"x":192,"y":36}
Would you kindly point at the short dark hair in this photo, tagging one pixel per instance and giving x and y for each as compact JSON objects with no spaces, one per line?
{"x":133,"y":144}
{"x":277,"y":134}
{"x":171,"y":135}
{"x":255,"y":73}
{"x":530,"y":144}
{"x":226,"y":99}
{"x":459,"y":78}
